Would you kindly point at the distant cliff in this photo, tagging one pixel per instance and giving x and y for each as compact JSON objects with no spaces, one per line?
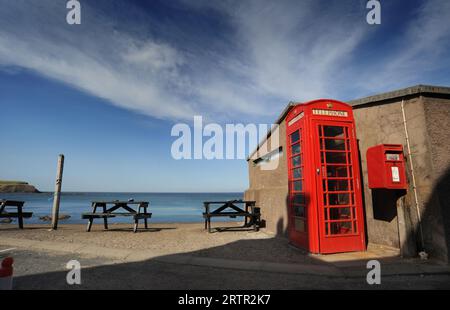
{"x":17,"y":187}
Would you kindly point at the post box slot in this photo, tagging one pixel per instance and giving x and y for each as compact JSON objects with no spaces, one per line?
{"x":393,"y":156}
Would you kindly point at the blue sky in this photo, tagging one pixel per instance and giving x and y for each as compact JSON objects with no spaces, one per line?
{"x":106,"y":93}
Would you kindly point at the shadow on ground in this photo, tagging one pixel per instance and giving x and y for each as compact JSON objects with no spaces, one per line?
{"x":183,"y":271}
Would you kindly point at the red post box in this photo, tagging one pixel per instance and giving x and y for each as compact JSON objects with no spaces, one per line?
{"x":386,"y":167}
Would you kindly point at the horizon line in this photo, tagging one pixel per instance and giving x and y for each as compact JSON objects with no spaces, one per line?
{"x":138,"y":192}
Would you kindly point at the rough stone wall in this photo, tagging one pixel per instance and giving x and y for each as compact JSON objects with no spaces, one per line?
{"x":436,"y":203}
{"x":379,"y":124}
{"x":270,"y":188}
{"x":376,"y":125}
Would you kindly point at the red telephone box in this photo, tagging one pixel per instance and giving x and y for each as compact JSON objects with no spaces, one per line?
{"x":325,"y":202}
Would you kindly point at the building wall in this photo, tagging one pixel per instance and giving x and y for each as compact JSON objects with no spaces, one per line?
{"x":437,"y":202}
{"x":383,"y":124}
{"x":269,"y":188}
{"x":425,"y":121}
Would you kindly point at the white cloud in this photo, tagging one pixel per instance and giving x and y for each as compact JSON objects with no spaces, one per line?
{"x":96,"y":60}
{"x":154,"y":56}
{"x":294,"y":49}
{"x":272,"y":52}
{"x":122,"y":86}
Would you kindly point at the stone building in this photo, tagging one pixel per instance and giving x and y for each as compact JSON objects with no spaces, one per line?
{"x":418,"y":118}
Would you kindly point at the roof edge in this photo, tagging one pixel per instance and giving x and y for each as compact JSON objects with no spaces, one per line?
{"x":409,"y":91}
{"x":278,"y":122}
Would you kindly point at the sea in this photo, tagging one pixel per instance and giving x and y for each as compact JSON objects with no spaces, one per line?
{"x":166,"y":207}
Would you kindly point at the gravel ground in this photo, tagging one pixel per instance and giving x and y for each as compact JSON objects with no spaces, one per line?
{"x":44,"y":271}
{"x":170,"y":239}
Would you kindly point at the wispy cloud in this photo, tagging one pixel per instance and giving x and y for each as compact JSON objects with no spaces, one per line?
{"x":269,"y":53}
{"x":292,"y":49}
{"x":128,"y":72}
{"x":417,"y":55}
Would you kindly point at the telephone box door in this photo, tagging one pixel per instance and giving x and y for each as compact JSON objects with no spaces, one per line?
{"x":338,"y":189}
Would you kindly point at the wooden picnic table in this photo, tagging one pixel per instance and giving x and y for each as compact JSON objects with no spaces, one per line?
{"x":229,"y":208}
{"x":137,"y":214}
{"x":19,"y":214}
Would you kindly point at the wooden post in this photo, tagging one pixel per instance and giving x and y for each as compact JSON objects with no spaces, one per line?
{"x":57,"y":195}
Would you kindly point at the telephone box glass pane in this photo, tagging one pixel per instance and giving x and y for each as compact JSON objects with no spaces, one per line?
{"x":341,"y":228}
{"x":296,"y":161}
{"x":297,"y":173}
{"x":336,"y":158}
{"x":299,"y":224}
{"x":339,"y":199}
{"x":296,"y":149}
{"x":299,"y":211}
{"x":333,"y":144}
{"x":336,"y":171}
{"x":340,"y":214}
{"x":298,"y":187}
{"x":295,"y":137}
{"x":333,"y":131}
{"x":299,"y":199}
{"x":337,"y":185}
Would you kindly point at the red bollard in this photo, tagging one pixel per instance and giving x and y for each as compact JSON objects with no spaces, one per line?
{"x":6,"y":274}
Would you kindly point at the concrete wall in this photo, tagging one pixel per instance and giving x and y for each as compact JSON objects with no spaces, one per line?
{"x":270,"y":188}
{"x":426,"y":126}
{"x":377,"y":125}
{"x":437,"y":201}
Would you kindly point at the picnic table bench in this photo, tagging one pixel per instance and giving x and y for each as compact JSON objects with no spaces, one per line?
{"x":19,"y":214}
{"x":139,"y":214}
{"x":251,"y":214}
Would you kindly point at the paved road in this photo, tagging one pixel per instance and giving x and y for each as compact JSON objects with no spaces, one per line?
{"x":39,"y":270}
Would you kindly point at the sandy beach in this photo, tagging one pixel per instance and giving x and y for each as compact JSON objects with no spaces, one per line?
{"x":168,"y":239}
